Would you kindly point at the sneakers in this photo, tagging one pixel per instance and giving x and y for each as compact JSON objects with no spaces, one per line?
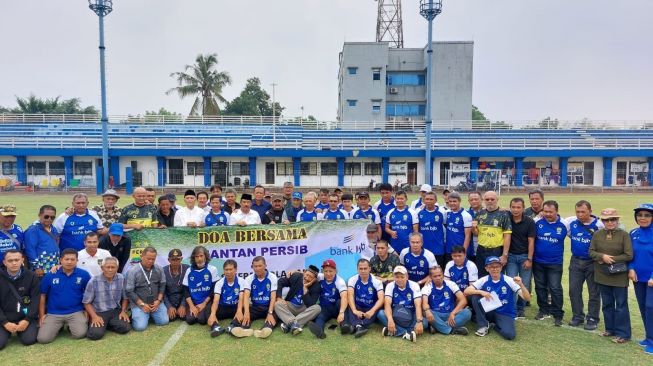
{"x":316,"y":330}
{"x":263,"y":333}
{"x":591,"y":325}
{"x":542,"y":315}
{"x":284,"y":327}
{"x":648,"y":350}
{"x":360,"y":331}
{"x":643,"y":343}
{"x":557,"y":322}
{"x":385,"y":332}
{"x":521,"y":314}
{"x":346,"y":329}
{"x":411,"y":336}
{"x":295,"y":328}
{"x":482,"y":331}
{"x":240,"y":332}
{"x":460,"y":331}
{"x":216,"y":330}
{"x":576,"y":322}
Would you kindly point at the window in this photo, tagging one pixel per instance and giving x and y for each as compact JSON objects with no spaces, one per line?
{"x":376,"y":106}
{"x":329,"y":168}
{"x":36,"y":167}
{"x":372,"y":168}
{"x":239,"y":168}
{"x":352,"y":168}
{"x":397,"y":168}
{"x":194,"y":168}
{"x":83,"y":168}
{"x":407,"y":79}
{"x":407,"y":110}
{"x":57,"y":168}
{"x":352,"y":70}
{"x":376,"y":73}
{"x":351,"y":102}
{"x":309,"y":168}
{"x":9,"y":168}
{"x":285,"y":168}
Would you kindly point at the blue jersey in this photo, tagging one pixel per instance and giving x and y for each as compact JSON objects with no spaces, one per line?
{"x":642,"y":263}
{"x":549,"y":242}
{"x":384,"y":208}
{"x":322,"y":206}
{"x":462,"y":276}
{"x":370,"y":214}
{"x":505,"y":288}
{"x":403,"y":297}
{"x":200,"y":282}
{"x":417,"y":265}
{"x":365,"y":294}
{"x":11,"y":239}
{"x":74,"y":228}
{"x":441,"y":299}
{"x":216,"y":219}
{"x":334,"y":215}
{"x":228,"y":292}
{"x":297,"y":299}
{"x":432,"y":226}
{"x":64,"y":292}
{"x":456,"y":222}
{"x":581,"y":237}
{"x":306,"y":216}
{"x":261,"y":289}
{"x":330,"y":291}
{"x":402,"y":222}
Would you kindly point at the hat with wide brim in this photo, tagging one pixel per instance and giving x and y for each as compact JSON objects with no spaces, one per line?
{"x":609,"y":213}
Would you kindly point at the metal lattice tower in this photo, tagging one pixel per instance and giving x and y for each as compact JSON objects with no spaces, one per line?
{"x":389,"y":26}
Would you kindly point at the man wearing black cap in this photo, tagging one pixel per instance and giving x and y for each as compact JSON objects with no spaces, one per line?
{"x":300,"y":304}
{"x":191,"y":215}
{"x":118,"y":244}
{"x":245,"y":215}
{"x":174,"y":293}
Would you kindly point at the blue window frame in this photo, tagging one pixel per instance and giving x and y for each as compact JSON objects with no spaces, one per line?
{"x":352,"y":70}
{"x":405,"y":79}
{"x":405,"y":110}
{"x":351,"y":102}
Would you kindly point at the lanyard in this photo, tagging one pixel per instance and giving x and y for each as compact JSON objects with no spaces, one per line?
{"x":144,"y":275}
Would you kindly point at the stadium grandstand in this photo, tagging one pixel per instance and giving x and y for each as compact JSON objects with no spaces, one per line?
{"x":163,"y":151}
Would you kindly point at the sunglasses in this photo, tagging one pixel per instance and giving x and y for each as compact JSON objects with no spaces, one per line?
{"x":48,"y":217}
{"x":644,"y":215}
{"x":611,"y":219}
{"x":333,"y":201}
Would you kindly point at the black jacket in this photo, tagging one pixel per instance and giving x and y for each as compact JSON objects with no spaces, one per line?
{"x":27,"y":286}
{"x":120,"y":251}
{"x":295,"y":283}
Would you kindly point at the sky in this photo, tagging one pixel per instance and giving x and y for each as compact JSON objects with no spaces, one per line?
{"x":532,"y":58}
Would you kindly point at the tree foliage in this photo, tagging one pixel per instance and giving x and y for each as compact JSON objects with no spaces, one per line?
{"x":253,"y":101}
{"x":35,"y":105}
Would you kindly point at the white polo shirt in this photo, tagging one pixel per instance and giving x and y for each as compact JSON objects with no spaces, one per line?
{"x":185,"y":215}
{"x":92,"y":264}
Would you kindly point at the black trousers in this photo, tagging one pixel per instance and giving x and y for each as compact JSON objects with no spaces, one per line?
{"x":111,"y":322}
{"x":226,"y":312}
{"x":26,"y":337}
{"x":202,"y":317}
{"x":255,"y":313}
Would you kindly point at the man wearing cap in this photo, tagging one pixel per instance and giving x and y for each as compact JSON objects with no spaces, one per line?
{"x":91,"y":257}
{"x":245,"y":215}
{"x":174,"y":292}
{"x":365,"y":211}
{"x":291,"y":210}
{"x":417,"y":259}
{"x":275,"y":214}
{"x":173,"y":200}
{"x":216,"y":216}
{"x":640,"y":270}
{"x":496,"y":286}
{"x":165,"y":212}
{"x":259,"y":204}
{"x":139,"y":214}
{"x":190,"y":215}
{"x":432,"y":223}
{"x":74,"y":227}
{"x":445,"y":305}
{"x":365,"y":296}
{"x":458,"y":226}
{"x":383,"y":262}
{"x":418,"y":204}
{"x":333,"y":299}
{"x":300,"y":304}
{"x":108,"y":212}
{"x":11,"y":235}
{"x":402,"y":312}
{"x":118,"y":244}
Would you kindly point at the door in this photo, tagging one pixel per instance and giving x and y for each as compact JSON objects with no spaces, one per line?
{"x":269,"y":173}
{"x":219,"y":171}
{"x":411,"y":175}
{"x":175,"y":171}
{"x":588,"y":173}
{"x":622,"y":172}
{"x":444,"y":173}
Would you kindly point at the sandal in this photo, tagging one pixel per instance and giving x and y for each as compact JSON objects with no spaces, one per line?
{"x":619,"y":340}
{"x":606,"y":334}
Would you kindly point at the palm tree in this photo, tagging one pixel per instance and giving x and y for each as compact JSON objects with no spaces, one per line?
{"x":204,"y":82}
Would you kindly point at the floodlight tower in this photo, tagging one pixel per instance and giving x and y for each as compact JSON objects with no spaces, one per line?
{"x":102,"y":8}
{"x":429,"y":9}
{"x":389,"y":26}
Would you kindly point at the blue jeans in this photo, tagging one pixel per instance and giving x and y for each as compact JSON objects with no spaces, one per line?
{"x":141,"y":318}
{"x":327,"y":312}
{"x":400,"y":330}
{"x":355,"y":321}
{"x":616,"y":315}
{"x":440,"y":320}
{"x":504,"y":324}
{"x":515,"y":267}
{"x":644,"y":294}
{"x":548,"y":278}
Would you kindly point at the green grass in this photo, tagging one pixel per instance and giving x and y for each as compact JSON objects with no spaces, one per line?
{"x":536,"y":343}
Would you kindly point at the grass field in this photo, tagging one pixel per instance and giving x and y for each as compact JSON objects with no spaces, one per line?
{"x":538,"y":342}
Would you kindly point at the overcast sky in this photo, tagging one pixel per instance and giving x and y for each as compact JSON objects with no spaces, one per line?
{"x":532,"y":58}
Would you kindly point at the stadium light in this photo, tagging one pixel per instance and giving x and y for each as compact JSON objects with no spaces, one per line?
{"x":102,"y":8}
{"x":429,"y":9}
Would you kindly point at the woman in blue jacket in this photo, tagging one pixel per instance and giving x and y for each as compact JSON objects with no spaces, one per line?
{"x":641,"y":270}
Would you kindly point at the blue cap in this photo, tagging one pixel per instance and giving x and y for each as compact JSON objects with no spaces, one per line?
{"x":492,"y":259}
{"x":644,"y":207}
{"x":116,"y":229}
{"x":297,"y":195}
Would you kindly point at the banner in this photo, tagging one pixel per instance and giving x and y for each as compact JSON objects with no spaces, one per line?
{"x":284,"y":247}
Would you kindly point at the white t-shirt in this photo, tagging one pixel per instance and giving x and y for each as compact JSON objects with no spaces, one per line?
{"x":250,"y":218}
{"x":185,"y":215}
{"x":92,"y":265}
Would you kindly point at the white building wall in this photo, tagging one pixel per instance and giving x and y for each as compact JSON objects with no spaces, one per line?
{"x":319,"y":180}
{"x":146,"y":165}
{"x":598,"y":169}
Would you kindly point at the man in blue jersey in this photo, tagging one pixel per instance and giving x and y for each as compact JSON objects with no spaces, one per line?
{"x":216,"y":216}
{"x":383,"y":206}
{"x":333,"y":212}
{"x":458,"y":225}
{"x":581,"y":267}
{"x":74,"y":227}
{"x":547,"y":262}
{"x":261,"y":289}
{"x":400,"y":222}
{"x":323,"y":203}
{"x":417,"y":260}
{"x":490,"y":288}
{"x":432,"y":222}
{"x":460,"y":270}
{"x":61,"y":299}
{"x":11,"y":235}
{"x":198,"y":285}
{"x":445,"y":305}
{"x":348,"y":208}
{"x":333,"y":299}
{"x":475,"y":201}
{"x":227,"y":301}
{"x":401,"y":315}
{"x":365,"y":211}
{"x":42,"y":242}
{"x":365,"y":297}
{"x":418,"y":204}
{"x":260,"y":205}
{"x":299,"y":306}
{"x":309,"y":212}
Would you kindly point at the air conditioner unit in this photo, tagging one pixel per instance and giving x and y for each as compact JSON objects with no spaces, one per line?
{"x":394,"y":90}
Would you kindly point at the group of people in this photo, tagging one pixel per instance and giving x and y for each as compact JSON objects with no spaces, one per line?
{"x":431,"y":266}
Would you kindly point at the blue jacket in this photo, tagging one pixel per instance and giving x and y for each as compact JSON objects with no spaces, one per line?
{"x":642,"y":263}
{"x":41,"y":247}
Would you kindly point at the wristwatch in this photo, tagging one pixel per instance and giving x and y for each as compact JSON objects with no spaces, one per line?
{"x":270,"y":312}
